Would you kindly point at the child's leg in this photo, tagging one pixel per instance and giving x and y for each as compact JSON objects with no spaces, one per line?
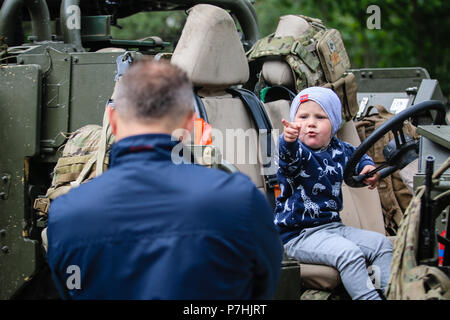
{"x":377,"y":249}
{"x":324,"y":245}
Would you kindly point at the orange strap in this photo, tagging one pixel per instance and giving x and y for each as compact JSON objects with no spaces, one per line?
{"x":277,"y":191}
{"x":202,"y":132}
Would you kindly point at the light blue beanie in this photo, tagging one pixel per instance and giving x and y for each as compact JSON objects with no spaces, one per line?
{"x":326,"y":98}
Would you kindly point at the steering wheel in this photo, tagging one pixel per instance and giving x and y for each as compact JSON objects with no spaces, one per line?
{"x":398,"y":152}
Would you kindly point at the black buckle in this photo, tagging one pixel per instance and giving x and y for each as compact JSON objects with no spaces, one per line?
{"x":271,"y":181}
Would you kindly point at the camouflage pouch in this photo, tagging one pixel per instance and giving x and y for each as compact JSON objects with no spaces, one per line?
{"x":300,"y":53}
{"x":84,"y":149}
{"x":338,"y":293}
{"x":316,"y":56}
{"x":313,"y":294}
{"x":346,"y":88}
{"x":332,"y":55}
{"x":408,"y":280}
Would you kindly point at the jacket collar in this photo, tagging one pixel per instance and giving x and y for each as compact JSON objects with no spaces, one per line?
{"x":143,"y":146}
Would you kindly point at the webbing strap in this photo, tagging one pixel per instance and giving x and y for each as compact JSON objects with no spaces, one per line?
{"x":102,"y":145}
{"x":257,"y":111}
{"x":259,"y":114}
{"x":275,"y":93}
{"x":71,"y":160}
{"x":85,"y":171}
{"x":200,"y":107}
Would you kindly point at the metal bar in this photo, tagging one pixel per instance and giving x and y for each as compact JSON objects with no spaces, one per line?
{"x":70,"y":26}
{"x":40,"y":18}
{"x":244,"y":11}
{"x":426,"y":243}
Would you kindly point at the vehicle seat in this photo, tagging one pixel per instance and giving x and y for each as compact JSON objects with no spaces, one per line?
{"x":361,"y":207}
{"x":278,"y":72}
{"x":210,"y":51}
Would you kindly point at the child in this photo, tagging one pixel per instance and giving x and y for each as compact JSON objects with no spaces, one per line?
{"x":312,"y":162}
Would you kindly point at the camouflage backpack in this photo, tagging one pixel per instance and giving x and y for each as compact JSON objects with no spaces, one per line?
{"x":394,"y":195}
{"x":84,"y":150}
{"x":316,"y":58}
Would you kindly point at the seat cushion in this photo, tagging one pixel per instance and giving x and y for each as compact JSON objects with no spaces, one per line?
{"x":235,"y":135}
{"x":315,"y":276}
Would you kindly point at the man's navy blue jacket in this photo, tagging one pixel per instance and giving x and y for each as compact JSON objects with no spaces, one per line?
{"x":151,"y":229}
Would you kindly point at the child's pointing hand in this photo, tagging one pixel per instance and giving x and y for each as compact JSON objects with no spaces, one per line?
{"x":291,"y":130}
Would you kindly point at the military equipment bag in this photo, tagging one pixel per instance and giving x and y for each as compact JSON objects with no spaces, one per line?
{"x":84,"y":150}
{"x":317,"y":57}
{"x":408,"y":280}
{"x":394,"y":194}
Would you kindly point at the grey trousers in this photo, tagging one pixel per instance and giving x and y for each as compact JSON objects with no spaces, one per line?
{"x":353,"y":252}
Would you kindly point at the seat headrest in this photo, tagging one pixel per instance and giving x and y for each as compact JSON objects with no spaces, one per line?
{"x":209,"y":49}
{"x":291,"y":25}
{"x":279,"y":72}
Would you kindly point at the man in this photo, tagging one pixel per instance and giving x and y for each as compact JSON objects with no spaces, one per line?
{"x":151,"y":229}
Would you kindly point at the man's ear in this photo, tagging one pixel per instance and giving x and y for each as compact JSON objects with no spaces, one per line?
{"x":112,"y":115}
{"x":189,"y":124}
{"x":186,"y":124}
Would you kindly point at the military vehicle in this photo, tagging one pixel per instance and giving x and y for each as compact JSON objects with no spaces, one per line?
{"x":62,"y":77}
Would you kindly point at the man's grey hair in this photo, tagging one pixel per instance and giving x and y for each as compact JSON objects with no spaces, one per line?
{"x":152,"y":90}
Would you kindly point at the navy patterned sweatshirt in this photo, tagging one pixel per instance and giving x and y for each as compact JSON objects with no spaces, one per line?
{"x":310,"y":182}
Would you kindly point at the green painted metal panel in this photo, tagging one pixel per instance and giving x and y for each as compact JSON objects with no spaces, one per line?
{"x":92,"y":84}
{"x":20,"y":104}
{"x":56,"y":67}
{"x":388,"y":79}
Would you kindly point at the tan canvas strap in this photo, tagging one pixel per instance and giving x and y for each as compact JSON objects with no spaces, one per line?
{"x":351,"y":89}
{"x":437,"y":174}
{"x":83,"y":174}
{"x":382,"y":111}
{"x":53,"y":193}
{"x":67,"y":177}
{"x":103,"y":144}
{"x":68,"y":161}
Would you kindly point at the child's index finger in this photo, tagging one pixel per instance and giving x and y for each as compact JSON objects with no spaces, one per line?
{"x":286,"y":123}
{"x":291,"y":125}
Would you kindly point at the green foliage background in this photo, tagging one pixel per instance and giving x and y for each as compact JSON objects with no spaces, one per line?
{"x":413,"y":32}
